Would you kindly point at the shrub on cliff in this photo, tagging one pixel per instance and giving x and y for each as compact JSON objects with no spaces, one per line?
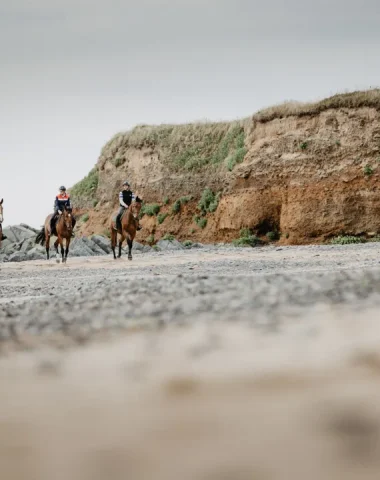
{"x":84,"y":191}
{"x":209,"y":201}
{"x":150,"y":209}
{"x":161,"y":217}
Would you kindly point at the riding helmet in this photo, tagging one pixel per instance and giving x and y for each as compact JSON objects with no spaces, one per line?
{"x":126,"y":183}
{"x":62,"y":188}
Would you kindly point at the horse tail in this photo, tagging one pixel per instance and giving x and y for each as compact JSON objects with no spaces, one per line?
{"x":41,"y":237}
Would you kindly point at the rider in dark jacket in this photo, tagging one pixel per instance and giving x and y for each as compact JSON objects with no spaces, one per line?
{"x":62,"y":201}
{"x":126,"y":197}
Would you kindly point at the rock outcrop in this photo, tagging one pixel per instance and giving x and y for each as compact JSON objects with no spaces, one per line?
{"x":20,"y":245}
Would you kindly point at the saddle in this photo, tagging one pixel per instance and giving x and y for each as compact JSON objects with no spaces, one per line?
{"x":114,"y":219}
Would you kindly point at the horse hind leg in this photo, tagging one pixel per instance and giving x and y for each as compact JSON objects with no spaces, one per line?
{"x":47,"y":240}
{"x":120,"y":245}
{"x":62,"y":253}
{"x":113,"y":242}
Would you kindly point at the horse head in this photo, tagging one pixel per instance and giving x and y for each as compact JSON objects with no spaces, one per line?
{"x":1,"y":210}
{"x":67,"y":217}
{"x":136,"y":208}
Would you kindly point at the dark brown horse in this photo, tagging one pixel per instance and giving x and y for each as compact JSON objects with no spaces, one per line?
{"x":129,"y":224}
{"x":1,"y":220}
{"x":64,"y":228}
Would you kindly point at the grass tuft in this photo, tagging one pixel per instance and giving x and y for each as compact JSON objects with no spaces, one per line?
{"x":150,"y":209}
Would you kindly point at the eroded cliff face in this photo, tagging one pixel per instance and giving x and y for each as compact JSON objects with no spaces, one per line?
{"x":310,"y":177}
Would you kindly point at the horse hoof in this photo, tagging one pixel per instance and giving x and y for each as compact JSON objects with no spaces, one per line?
{"x":129,"y":258}
{"x":57,"y":260}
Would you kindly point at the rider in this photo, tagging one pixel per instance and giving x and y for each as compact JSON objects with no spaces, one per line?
{"x":126,"y":196}
{"x":62,"y":200}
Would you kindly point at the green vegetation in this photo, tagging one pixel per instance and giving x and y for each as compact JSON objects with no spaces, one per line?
{"x":346,"y":240}
{"x":84,"y":218}
{"x":236,"y":157}
{"x":368,"y":170}
{"x":209,"y":201}
{"x":150,"y":209}
{"x":166,"y":201}
{"x":187,"y":243}
{"x":161,"y":217}
{"x":303,"y":145}
{"x":150,"y":240}
{"x":183,"y":147}
{"x":211,"y":148}
{"x":246,"y":239}
{"x":176,"y":206}
{"x":94,"y":203}
{"x":273,"y":236}
{"x":200,"y":221}
{"x":185,"y":200}
{"x":84,"y":191}
{"x":118,"y":161}
{"x":168,"y":236}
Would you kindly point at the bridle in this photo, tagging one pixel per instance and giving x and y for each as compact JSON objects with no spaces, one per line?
{"x":132,"y":210}
{"x":68,"y":212}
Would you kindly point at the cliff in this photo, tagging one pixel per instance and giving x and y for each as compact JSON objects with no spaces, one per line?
{"x":307,"y":172}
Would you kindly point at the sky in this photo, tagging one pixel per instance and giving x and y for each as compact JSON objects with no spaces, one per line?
{"x":73,"y":73}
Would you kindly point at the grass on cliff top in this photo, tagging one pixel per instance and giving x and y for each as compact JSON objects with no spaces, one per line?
{"x":196,"y":145}
{"x":183,"y":147}
{"x":358,"y":99}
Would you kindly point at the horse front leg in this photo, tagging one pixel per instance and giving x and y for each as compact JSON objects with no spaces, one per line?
{"x":56,"y":250}
{"x":130,"y":243}
{"x":67,"y":249}
{"x":122,"y":238}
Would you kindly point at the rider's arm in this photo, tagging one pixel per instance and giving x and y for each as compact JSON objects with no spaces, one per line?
{"x":121,"y":201}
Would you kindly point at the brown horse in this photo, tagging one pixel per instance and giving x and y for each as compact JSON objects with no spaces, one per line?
{"x":64,"y":228}
{"x":1,"y":220}
{"x":129,"y":224}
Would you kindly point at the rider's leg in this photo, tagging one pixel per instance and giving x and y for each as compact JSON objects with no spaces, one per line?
{"x":53,"y":220}
{"x":118,"y":217}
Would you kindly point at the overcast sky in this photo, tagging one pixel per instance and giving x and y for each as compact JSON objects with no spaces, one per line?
{"x":73,"y":73}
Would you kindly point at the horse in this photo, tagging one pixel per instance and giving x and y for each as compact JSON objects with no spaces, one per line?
{"x":1,"y":220}
{"x":64,"y":228}
{"x":129,"y":223}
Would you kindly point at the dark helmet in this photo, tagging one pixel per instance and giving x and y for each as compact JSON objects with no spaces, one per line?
{"x":126,"y":183}
{"x":62,"y":188}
